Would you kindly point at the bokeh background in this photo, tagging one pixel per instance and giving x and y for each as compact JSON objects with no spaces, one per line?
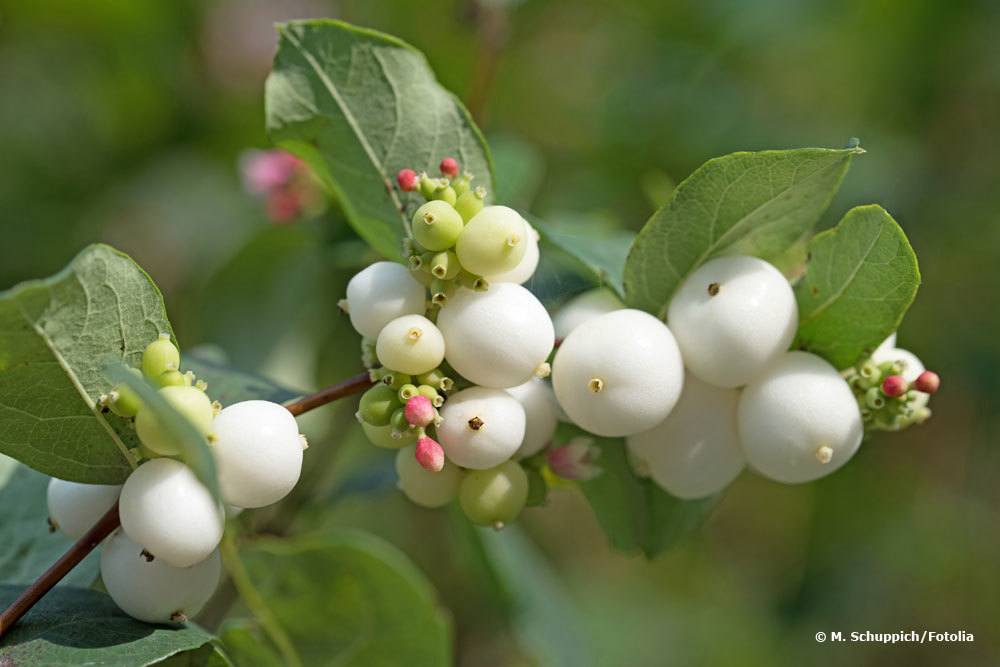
{"x":125,"y":122}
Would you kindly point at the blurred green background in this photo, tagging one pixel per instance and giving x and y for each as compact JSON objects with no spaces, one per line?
{"x":124,"y":122}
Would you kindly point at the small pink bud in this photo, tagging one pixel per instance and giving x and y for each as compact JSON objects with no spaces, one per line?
{"x":894,"y":386}
{"x":429,"y":454}
{"x":283,"y":205}
{"x":407,"y":179}
{"x":927,"y":382}
{"x":449,"y":167}
{"x":575,"y":460}
{"x":419,"y":411}
{"x":264,"y":171}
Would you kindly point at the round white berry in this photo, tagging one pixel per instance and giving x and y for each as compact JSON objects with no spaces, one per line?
{"x":426,"y":488}
{"x":799,"y":421}
{"x":410,"y":344}
{"x":166,"y":509}
{"x":618,"y":374}
{"x":258,"y":452}
{"x":481,"y":427}
{"x":886,"y":345}
{"x":74,"y":508}
{"x":149,"y":589}
{"x":381,"y":293}
{"x":521,"y":273}
{"x":694,"y":452}
{"x":584,"y":307}
{"x":498,"y":338}
{"x":732,"y":317}
{"x":541,"y":415}
{"x":912,"y":368}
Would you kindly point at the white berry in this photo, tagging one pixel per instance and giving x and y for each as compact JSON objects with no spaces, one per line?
{"x":694,"y":452}
{"x":481,"y":427}
{"x":618,"y":374}
{"x":166,"y":509}
{"x":381,"y":293}
{"x":799,"y":421}
{"x":258,"y":451}
{"x":410,"y":344}
{"x":521,"y":273}
{"x":426,"y":488}
{"x":886,"y":345}
{"x":498,"y":338}
{"x":151,"y":590}
{"x":541,"y":415}
{"x":732,"y":317}
{"x":584,"y":307}
{"x":74,"y":508}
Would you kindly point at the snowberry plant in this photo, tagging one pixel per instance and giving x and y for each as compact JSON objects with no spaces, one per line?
{"x":719,"y":341}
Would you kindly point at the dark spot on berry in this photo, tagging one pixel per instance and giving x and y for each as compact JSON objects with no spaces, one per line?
{"x":148,"y":556}
{"x":52,"y":525}
{"x":713,"y":289}
{"x":476,"y":423}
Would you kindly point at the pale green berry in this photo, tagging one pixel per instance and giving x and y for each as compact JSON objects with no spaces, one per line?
{"x":173,"y":378}
{"x":396,"y":380}
{"x":436,"y":225}
{"x":447,"y":194}
{"x":426,"y":488}
{"x":159,"y":357}
{"x":410,"y":344}
{"x":123,"y":401}
{"x":444,"y":265}
{"x":387,"y":436}
{"x":495,"y":496}
{"x":428,"y":186}
{"x":461,"y":184}
{"x":398,"y":421}
{"x":191,"y":403}
{"x":470,"y":203}
{"x":406,"y":392}
{"x":493,"y":241}
{"x":377,"y":405}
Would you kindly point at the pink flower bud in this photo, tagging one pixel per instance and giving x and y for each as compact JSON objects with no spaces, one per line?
{"x":429,"y":454}
{"x":449,"y":167}
{"x":419,"y":411}
{"x":927,"y":382}
{"x":264,"y":171}
{"x":407,"y":179}
{"x":575,"y":460}
{"x":894,"y":386}
{"x":283,"y":205}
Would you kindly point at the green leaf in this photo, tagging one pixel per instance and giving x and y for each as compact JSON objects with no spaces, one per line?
{"x":635,"y":513}
{"x":743,"y":203}
{"x":349,"y":598}
{"x":27,"y":546}
{"x":192,"y":444}
{"x":247,"y":645}
{"x":860,"y":279}
{"x":77,"y":626}
{"x":545,"y":619}
{"x":56,"y":338}
{"x":600,"y":254}
{"x":358,"y":106}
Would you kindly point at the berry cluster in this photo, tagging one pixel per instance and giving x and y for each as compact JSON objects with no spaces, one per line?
{"x":460,"y":370}
{"x":163,"y":564}
{"x":458,"y":349}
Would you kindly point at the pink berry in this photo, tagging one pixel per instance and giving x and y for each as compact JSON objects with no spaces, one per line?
{"x":419,"y":411}
{"x":430,"y":454}
{"x":894,"y":386}
{"x":927,"y":382}
{"x":449,"y":167}
{"x":407,"y":179}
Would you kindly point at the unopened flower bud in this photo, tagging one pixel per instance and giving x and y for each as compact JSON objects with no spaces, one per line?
{"x":575,"y":460}
{"x":420,"y":411}
{"x":894,"y":386}
{"x":407,"y":180}
{"x":449,"y":167}
{"x":429,"y":454}
{"x":928,"y":382}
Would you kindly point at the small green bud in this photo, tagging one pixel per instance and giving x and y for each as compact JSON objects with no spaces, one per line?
{"x":123,"y":401}
{"x":173,"y":378}
{"x":447,"y":194}
{"x":396,"y":380}
{"x":428,"y":186}
{"x":462,"y":184}
{"x":874,"y":398}
{"x":470,"y":203}
{"x":432,"y":395}
{"x":160,"y":356}
{"x":472,"y":281}
{"x":406,"y":392}
{"x":444,"y":265}
{"x":436,"y":225}
{"x":441,"y":290}
{"x":377,"y":405}
{"x":398,"y":421}
{"x":382,"y":436}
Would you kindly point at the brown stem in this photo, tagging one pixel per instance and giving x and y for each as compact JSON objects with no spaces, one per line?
{"x":107,"y":523}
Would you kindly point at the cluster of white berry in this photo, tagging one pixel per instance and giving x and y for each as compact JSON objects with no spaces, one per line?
{"x":163,"y":564}
{"x":459,"y":370}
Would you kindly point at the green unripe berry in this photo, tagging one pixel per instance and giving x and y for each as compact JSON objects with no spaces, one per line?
{"x":159,"y":357}
{"x":406,"y":392}
{"x":428,"y":186}
{"x":447,"y":193}
{"x":437,"y":379}
{"x":428,"y":391}
{"x":472,"y":281}
{"x":441,"y":291}
{"x":462,"y":184}
{"x":123,"y":401}
{"x":421,"y":276}
{"x":377,"y":405}
{"x":436,"y":225}
{"x":493,"y":241}
{"x":470,"y":203}
{"x":382,"y":436}
{"x":396,"y":380}
{"x":398,"y":421}
{"x":495,"y":496}
{"x":191,"y":403}
{"x":173,"y":378}
{"x":444,"y":265}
